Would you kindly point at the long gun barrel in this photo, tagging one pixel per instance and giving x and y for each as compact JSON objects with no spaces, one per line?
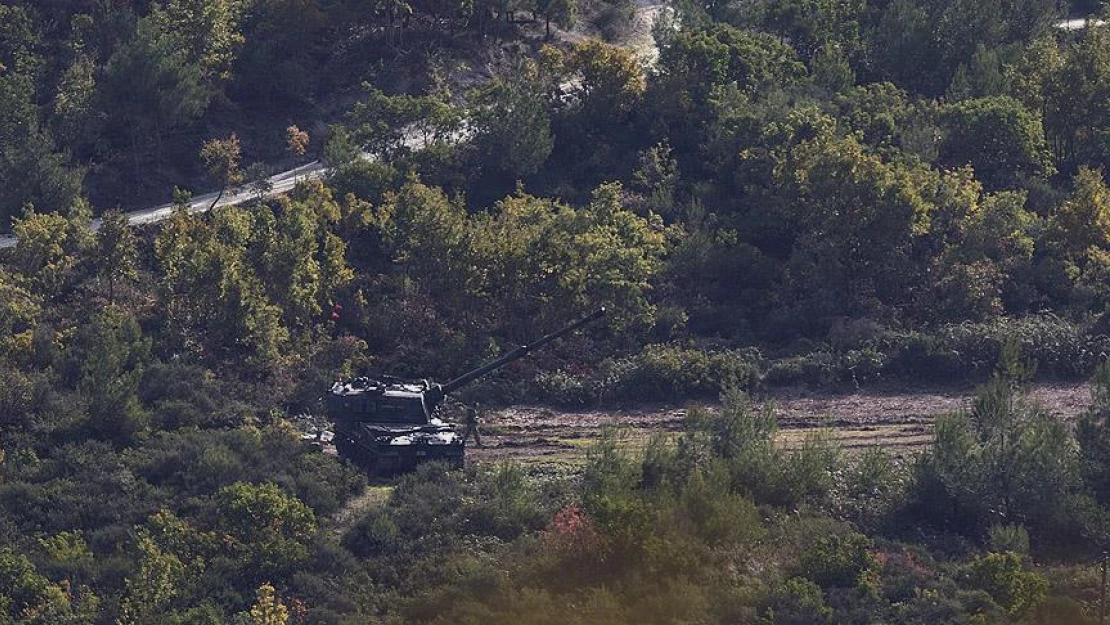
{"x":515,"y":354}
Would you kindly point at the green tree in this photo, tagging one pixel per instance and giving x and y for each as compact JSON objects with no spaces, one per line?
{"x":1093,"y":434}
{"x":381,"y":121}
{"x":20,"y":311}
{"x":1007,"y":461}
{"x":1082,"y":222}
{"x":74,"y":104}
{"x":983,"y":76}
{"x":297,"y":141}
{"x":392,"y":10}
{"x":208,"y":30}
{"x":657,"y":177}
{"x":152,"y":589}
{"x":51,"y":248}
{"x":1079,"y":236}
{"x":282,"y":37}
{"x":151,"y":87}
{"x":831,"y":70}
{"x":977,"y":276}
{"x":999,"y":138}
{"x":108,"y":356}
{"x":268,"y":608}
{"x":1005,"y":578}
{"x":548,"y":260}
{"x":513,"y":124}
{"x":222,"y":158}
{"x":1077,"y":102}
{"x":20,"y":40}
{"x":561,"y":12}
{"x":963,"y":26}
{"x":904,"y":50}
{"x":880,"y":112}
{"x":270,"y":528}
{"x":216,"y":304}
{"x":611,"y":80}
{"x":35,"y":174}
{"x":290,"y":263}
{"x":70,"y":554}
{"x":838,"y":561}
{"x":391,"y":125}
{"x":811,"y":25}
{"x":696,"y":61}
{"x":698,"y":68}
{"x":116,"y":257}
{"x":28,"y":598}
{"x":1030,"y":74}
{"x":856,"y":219}
{"x":922,"y":46}
{"x":424,"y":231}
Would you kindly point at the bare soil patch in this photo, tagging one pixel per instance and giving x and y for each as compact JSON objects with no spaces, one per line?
{"x":898,"y":421}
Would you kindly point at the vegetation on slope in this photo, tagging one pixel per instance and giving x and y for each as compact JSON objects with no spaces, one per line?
{"x":801,"y":191}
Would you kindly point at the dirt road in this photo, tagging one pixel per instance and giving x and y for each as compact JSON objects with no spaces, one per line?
{"x":901,"y":422}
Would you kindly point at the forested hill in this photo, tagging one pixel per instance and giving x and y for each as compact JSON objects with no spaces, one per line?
{"x":833,"y":193}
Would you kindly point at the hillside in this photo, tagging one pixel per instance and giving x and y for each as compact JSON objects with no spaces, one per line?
{"x":855,"y":257}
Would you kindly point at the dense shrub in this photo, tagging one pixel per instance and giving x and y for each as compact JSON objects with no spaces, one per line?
{"x":374,"y":534}
{"x":869,"y":489}
{"x":1058,"y":348}
{"x":669,"y":371}
{"x":949,"y":353}
{"x":509,"y":505}
{"x":838,"y":561}
{"x":742,"y":439}
{"x":1006,"y":461}
{"x":1006,"y":579}
{"x":798,"y":601}
{"x":564,"y":389}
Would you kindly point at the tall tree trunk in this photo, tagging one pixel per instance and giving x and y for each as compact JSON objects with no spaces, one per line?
{"x":218,"y":197}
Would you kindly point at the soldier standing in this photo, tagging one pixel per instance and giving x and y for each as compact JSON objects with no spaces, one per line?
{"x":472,"y":426}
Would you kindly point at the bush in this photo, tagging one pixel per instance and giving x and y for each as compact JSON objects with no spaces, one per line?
{"x":824,"y":367}
{"x":615,"y":18}
{"x":742,"y":437}
{"x":817,"y":367}
{"x":429,"y":501}
{"x":870,"y":489}
{"x":668,"y":372}
{"x":955,"y":352}
{"x":839,"y":561}
{"x":950,"y":353}
{"x":1009,"y":459}
{"x":374,"y":534}
{"x":1003,"y":576}
{"x":508,"y":506}
{"x":807,"y":474}
{"x":1012,"y":538}
{"x":798,"y":601}
{"x":563,"y":389}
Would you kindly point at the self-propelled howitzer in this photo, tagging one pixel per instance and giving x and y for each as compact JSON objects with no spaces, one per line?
{"x":391,"y":425}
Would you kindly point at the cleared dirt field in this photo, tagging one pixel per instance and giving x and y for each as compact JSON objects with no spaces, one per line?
{"x":899,"y":421}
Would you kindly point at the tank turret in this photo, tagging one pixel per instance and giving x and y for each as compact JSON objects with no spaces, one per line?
{"x":390,"y":424}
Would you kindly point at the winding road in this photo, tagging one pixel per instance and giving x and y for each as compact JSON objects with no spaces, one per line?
{"x":278,"y":184}
{"x":639,"y":39}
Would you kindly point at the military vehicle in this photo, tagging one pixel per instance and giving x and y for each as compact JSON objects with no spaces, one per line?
{"x":389,"y":425}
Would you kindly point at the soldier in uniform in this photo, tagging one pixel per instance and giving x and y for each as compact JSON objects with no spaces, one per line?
{"x":472,"y":426}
